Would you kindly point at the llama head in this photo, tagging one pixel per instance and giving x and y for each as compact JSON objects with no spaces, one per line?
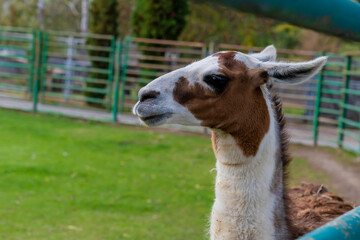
{"x":224,"y":91}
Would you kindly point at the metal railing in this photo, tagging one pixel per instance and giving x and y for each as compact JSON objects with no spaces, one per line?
{"x":344,"y":227}
{"x":17,"y":61}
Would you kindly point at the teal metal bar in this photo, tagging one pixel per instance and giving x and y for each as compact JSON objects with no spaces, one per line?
{"x":32,"y":62}
{"x":118,"y":63}
{"x":124,"y":65}
{"x":344,"y":227}
{"x":344,"y":102}
{"x":112,"y":57}
{"x":43,"y":63}
{"x":336,"y":17}
{"x":38,"y":72}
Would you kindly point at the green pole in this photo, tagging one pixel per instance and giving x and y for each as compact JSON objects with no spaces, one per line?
{"x":117,"y":75}
{"x":335,"y":17}
{"x":37,"y":78}
{"x":32,"y":62}
{"x":111,"y":69}
{"x":317,"y":104}
{"x":344,"y":101}
{"x":43,"y":65}
{"x":125,"y":57}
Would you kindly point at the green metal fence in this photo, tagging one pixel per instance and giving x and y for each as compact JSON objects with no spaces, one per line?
{"x":349,"y":118}
{"x":17,"y":62}
{"x":337,"y":107}
{"x":69,"y":73}
{"x":62,"y":68}
{"x":328,"y":98}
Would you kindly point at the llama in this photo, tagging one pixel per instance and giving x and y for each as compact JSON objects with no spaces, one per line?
{"x":228,"y":93}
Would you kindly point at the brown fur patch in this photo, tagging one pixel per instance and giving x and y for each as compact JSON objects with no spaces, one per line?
{"x":239,"y":110}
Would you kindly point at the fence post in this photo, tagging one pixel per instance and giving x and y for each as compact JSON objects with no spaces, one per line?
{"x":124,"y":62}
{"x":344,"y":101}
{"x":32,"y":63}
{"x":112,"y":56}
{"x":211,"y":48}
{"x":43,"y":63}
{"x":317,"y":104}
{"x":38,"y":70}
{"x":118,"y":68}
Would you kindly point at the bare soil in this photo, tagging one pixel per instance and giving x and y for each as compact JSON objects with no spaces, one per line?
{"x":345,"y":177}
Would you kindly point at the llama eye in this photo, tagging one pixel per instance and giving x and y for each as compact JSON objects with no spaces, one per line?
{"x":217,"y":82}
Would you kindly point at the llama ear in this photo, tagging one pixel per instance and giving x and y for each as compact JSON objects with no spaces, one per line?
{"x":258,"y":77}
{"x":293,"y":73}
{"x":266,"y":55}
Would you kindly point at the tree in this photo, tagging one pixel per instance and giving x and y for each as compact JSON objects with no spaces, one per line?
{"x":124,"y":21}
{"x":40,"y":10}
{"x":160,"y":19}
{"x":84,"y":16}
{"x":42,"y":14}
{"x":103,"y":20}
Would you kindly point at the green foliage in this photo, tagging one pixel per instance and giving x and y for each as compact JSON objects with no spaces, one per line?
{"x":286,"y":35}
{"x":160,"y":19}
{"x":348,"y":46}
{"x":58,"y":15}
{"x":103,"y":17}
{"x":124,"y":20}
{"x":208,"y":22}
{"x":103,"y":20}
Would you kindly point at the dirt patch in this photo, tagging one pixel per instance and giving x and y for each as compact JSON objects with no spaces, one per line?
{"x":345,"y":179}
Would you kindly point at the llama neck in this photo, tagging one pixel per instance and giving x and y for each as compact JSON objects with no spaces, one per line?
{"x":249,"y":190}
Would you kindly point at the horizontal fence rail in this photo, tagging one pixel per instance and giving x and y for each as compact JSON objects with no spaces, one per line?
{"x":92,"y":71}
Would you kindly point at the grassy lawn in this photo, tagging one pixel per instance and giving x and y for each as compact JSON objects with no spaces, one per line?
{"x":344,"y":156}
{"x":67,"y":179}
{"x":294,"y":111}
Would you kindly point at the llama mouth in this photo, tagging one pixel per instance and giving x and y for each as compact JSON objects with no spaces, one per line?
{"x":155,"y":120}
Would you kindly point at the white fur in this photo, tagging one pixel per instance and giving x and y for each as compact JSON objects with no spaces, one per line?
{"x":244,"y":204}
{"x":266,"y":55}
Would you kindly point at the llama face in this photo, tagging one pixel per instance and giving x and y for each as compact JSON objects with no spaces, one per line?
{"x":224,"y":91}
{"x":157,"y":103}
{"x":179,"y":96}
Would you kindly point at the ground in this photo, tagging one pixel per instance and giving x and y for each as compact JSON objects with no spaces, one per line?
{"x":342,"y":167}
{"x":69,"y":179}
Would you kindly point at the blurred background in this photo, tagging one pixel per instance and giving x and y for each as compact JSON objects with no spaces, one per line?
{"x":74,"y":162}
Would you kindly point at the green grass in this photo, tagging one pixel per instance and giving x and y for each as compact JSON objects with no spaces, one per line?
{"x":67,"y":179}
{"x":300,"y":171}
{"x":294,"y":111}
{"x":344,"y":156}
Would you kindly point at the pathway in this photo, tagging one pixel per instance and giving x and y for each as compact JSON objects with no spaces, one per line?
{"x":300,"y":133}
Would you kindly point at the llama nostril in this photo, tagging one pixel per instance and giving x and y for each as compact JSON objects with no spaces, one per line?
{"x":148,"y":95}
